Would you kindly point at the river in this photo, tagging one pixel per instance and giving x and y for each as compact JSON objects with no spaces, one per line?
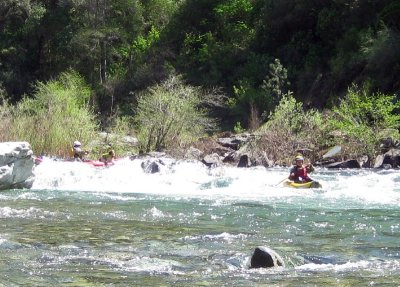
{"x":188,"y":225}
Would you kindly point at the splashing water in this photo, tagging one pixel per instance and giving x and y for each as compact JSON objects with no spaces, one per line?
{"x":189,"y":225}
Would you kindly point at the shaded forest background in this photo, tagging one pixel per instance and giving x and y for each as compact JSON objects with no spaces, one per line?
{"x":252,"y":51}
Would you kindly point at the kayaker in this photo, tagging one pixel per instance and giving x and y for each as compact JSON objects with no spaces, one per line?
{"x":77,"y":153}
{"x":108,"y":156}
{"x":299,"y":172}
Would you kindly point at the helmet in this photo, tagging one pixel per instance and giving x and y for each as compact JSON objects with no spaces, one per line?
{"x":299,"y":157}
{"x":77,"y":143}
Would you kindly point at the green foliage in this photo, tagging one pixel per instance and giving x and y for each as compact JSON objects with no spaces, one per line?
{"x":102,"y":35}
{"x":276,"y":81}
{"x":363,"y":117}
{"x":56,"y":116}
{"x":290,"y":127}
{"x":159,"y":12}
{"x":252,"y":99}
{"x":122,"y":47}
{"x":238,"y":128}
{"x":169,"y":114}
{"x":142,"y":44}
{"x":234,"y":19}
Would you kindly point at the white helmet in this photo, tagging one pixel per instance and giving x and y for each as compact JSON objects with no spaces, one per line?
{"x":77,"y":143}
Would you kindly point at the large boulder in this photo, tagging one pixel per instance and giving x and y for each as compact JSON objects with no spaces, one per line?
{"x":16,"y":165}
{"x":264,"y":257}
{"x":392,"y":157}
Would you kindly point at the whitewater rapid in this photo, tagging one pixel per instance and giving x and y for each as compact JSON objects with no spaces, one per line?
{"x":364,"y":187}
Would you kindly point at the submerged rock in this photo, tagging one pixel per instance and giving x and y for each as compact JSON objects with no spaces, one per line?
{"x":16,"y":165}
{"x":264,"y":257}
{"x":152,"y":165}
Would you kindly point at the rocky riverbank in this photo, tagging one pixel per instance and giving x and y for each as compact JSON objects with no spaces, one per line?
{"x":243,"y":150}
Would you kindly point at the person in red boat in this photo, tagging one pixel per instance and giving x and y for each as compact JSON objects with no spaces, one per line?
{"x":77,"y":153}
{"x":109,"y":156}
{"x":299,"y":172}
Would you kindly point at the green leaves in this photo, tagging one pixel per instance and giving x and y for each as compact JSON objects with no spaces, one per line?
{"x":57,"y":115}
{"x":363,"y":116}
{"x":169,"y":115}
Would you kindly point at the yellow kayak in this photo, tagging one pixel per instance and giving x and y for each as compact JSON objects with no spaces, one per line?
{"x":311,"y":184}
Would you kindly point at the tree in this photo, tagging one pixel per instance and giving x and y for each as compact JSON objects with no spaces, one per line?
{"x":170,"y":114}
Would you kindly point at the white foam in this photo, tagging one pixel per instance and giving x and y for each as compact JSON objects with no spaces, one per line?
{"x":193,"y":179}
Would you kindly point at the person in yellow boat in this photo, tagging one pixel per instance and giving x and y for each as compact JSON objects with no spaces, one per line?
{"x":77,"y":153}
{"x":108,"y":156}
{"x":299,"y":172}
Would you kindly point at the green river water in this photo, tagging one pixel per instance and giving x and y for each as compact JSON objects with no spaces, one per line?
{"x":189,"y":227}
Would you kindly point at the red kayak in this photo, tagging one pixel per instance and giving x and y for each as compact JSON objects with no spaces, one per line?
{"x":99,"y":163}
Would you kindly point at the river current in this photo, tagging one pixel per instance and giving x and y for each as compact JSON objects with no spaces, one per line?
{"x":188,"y":225}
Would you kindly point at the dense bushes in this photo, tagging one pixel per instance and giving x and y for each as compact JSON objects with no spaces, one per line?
{"x":290,"y":128}
{"x":170,"y":114}
{"x":57,"y":115}
{"x":358,"y":124}
{"x":363,"y":118}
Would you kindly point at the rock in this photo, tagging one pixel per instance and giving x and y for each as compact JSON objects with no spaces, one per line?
{"x":130,"y":140}
{"x":244,"y":161}
{"x":230,"y":158}
{"x":392,"y":157}
{"x":151,"y":165}
{"x":386,"y":144}
{"x":16,"y":165}
{"x":352,"y":163}
{"x":234,"y":142}
{"x":212,"y":160}
{"x":379,"y":161}
{"x":193,"y":153}
{"x":387,"y":166}
{"x":264,"y":257}
{"x":229,"y":142}
{"x":364,"y":161}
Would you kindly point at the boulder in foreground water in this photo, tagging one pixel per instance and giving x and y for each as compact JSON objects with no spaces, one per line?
{"x":264,"y":257}
{"x":16,"y":165}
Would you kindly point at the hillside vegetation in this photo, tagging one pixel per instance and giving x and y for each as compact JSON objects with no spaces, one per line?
{"x":239,"y":62}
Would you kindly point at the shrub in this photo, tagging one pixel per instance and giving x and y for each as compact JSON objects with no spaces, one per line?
{"x":363,"y":118}
{"x":170,"y":114}
{"x":57,"y":115}
{"x":290,"y":128}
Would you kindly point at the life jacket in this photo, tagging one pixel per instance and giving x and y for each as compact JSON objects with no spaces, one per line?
{"x":300,"y":174}
{"x":71,"y":153}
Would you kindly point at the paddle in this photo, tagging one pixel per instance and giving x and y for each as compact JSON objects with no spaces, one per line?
{"x":281,"y":181}
{"x":331,"y":152}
